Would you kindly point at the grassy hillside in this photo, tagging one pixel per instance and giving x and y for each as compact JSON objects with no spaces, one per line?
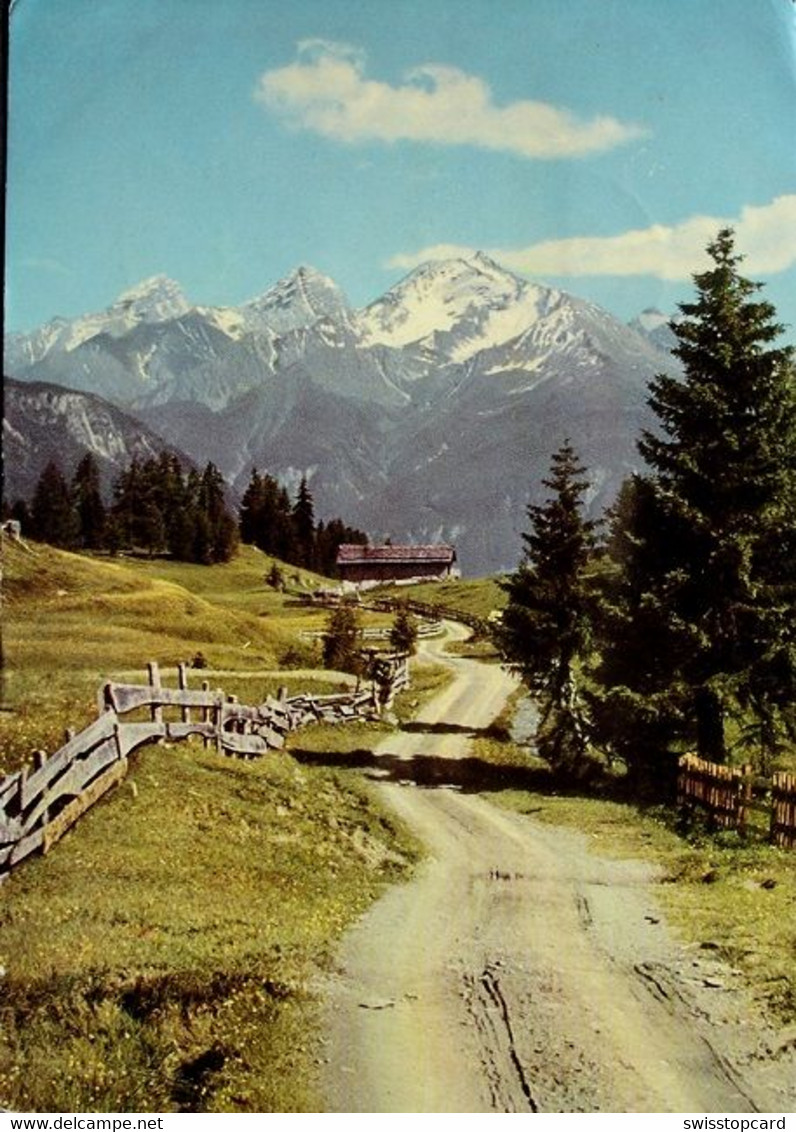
{"x":479,"y":596}
{"x":164,"y":956}
{"x":71,"y":622}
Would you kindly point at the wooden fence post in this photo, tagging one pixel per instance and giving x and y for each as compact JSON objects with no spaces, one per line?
{"x":744,"y":796}
{"x":182,"y":683}
{"x":153,"y":675}
{"x":39,"y":759}
{"x":206,"y":712}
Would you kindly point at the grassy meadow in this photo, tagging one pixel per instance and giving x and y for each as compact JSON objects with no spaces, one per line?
{"x":71,"y":622}
{"x":171,"y":953}
{"x":167,"y":956}
{"x":477,"y":596}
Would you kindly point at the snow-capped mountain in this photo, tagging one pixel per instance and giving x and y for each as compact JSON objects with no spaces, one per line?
{"x":154,"y":300}
{"x":431,"y":413}
{"x":300,"y":300}
{"x":655,"y":326}
{"x":456,"y":308}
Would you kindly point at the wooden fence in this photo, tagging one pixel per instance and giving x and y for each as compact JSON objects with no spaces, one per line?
{"x":433,"y":612}
{"x":728,"y":796}
{"x":783,"y":810}
{"x":40,"y":803}
{"x":425,"y":628}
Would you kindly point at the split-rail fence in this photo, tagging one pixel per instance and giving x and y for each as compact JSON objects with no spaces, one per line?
{"x":39,"y":803}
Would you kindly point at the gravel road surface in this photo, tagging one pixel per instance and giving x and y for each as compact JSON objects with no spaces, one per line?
{"x":519,"y":972}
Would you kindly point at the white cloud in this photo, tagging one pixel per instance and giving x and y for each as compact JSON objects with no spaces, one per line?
{"x":765,"y":236}
{"x":325,"y":90}
{"x":43,"y":263}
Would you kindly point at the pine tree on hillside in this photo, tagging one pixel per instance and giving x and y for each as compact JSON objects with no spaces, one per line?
{"x":718,"y":583}
{"x":635,"y":710}
{"x":403,"y":633}
{"x":304,"y":525}
{"x":53,"y":517}
{"x":546,"y":627}
{"x":251,"y":508}
{"x":88,"y":505}
{"x":342,"y":640}
{"x":221,"y":526}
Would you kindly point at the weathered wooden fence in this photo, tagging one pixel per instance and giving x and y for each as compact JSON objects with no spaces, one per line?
{"x":425,"y":628}
{"x":728,"y":796}
{"x":783,"y":810}
{"x":40,"y":803}
{"x":432,"y":612}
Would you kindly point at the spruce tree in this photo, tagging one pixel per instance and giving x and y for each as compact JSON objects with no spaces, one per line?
{"x":342,"y":640}
{"x":251,"y":507}
{"x":546,"y":629}
{"x":403,"y":633}
{"x":718,"y":575}
{"x":53,"y":517}
{"x":87,"y":501}
{"x":304,"y":525}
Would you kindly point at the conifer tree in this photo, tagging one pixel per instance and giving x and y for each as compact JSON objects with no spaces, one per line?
{"x":716,"y":569}
{"x":342,"y":640}
{"x":251,"y":508}
{"x":403,"y":633}
{"x":88,"y":505}
{"x":304,"y":525}
{"x":546,"y":628}
{"x":53,"y":517}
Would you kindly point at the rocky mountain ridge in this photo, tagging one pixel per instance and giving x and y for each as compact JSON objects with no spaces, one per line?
{"x":429,"y":414}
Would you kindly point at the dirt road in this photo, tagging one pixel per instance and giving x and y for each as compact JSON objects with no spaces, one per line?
{"x":518,"y":972}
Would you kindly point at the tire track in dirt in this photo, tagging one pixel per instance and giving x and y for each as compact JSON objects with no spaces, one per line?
{"x":517,"y":972}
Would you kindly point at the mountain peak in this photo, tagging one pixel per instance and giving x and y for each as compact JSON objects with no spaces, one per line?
{"x":155,"y":299}
{"x":151,"y":285}
{"x":470,"y":296}
{"x":300,"y":299}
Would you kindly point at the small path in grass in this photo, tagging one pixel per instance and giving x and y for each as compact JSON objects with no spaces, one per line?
{"x":518,"y":971}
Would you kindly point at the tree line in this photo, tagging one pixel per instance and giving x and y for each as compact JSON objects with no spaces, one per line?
{"x":158,"y":507}
{"x":670,"y":624}
{"x":288,"y":530}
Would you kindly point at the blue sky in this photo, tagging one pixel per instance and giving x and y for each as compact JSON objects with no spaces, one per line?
{"x":595,"y":144}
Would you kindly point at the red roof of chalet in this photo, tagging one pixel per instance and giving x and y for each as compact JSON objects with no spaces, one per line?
{"x":349,"y":553}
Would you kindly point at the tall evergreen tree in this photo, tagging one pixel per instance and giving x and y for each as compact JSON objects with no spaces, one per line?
{"x":304,"y":525}
{"x":719,"y":576}
{"x":546,"y":628}
{"x":342,"y":640}
{"x":87,"y":501}
{"x":52,"y":514}
{"x":251,"y":509}
{"x":403,"y":633}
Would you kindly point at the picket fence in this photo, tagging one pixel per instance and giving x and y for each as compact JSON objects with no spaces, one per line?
{"x":39,"y":803}
{"x":729,"y":795}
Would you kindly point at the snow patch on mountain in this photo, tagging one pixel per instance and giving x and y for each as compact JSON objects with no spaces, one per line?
{"x":457,"y":308}
{"x":296,"y":302}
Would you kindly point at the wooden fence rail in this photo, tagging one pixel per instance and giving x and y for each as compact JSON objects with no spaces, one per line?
{"x":728,"y":795}
{"x":40,"y":803}
{"x":431,"y":611}
{"x":783,"y":810}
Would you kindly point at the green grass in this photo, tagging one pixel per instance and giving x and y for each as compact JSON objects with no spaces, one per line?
{"x":71,"y":622}
{"x":479,"y":596}
{"x":166,"y":954}
{"x":163,"y":956}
